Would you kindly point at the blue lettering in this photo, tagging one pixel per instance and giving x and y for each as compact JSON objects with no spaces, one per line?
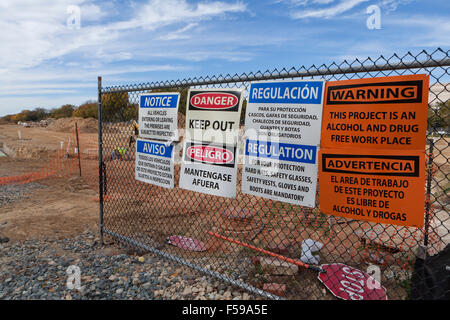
{"x":281,"y":151}
{"x":154,"y":148}
{"x":159,"y":101}
{"x":306,"y":92}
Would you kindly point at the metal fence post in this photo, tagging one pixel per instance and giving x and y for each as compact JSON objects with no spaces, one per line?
{"x":100,"y":157}
{"x":428,"y":203}
{"x":78,"y":148}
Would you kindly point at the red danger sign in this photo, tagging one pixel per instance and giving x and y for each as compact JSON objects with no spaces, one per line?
{"x":209,"y":154}
{"x":348,"y":283}
{"x":214,"y":100}
{"x":213,"y":115}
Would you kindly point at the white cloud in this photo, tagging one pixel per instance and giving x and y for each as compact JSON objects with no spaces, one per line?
{"x":179,"y":34}
{"x":38,"y":47}
{"x":333,"y":8}
{"x":392,"y":5}
{"x":36,"y":31}
{"x":327,"y":12}
{"x":92,"y":12}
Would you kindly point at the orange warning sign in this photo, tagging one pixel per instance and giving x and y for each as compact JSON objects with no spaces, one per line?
{"x":371,"y":163}
{"x":378,"y":113}
{"x":378,"y":185}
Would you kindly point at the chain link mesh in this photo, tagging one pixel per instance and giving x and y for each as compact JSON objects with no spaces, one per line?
{"x":143,"y":216}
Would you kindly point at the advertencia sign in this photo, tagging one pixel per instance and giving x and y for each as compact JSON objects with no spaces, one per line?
{"x":372,"y":161}
{"x":212,"y":115}
{"x":158,"y":115}
{"x":382,"y":186}
{"x":282,"y":124}
{"x":209,"y":168}
{"x":154,"y":163}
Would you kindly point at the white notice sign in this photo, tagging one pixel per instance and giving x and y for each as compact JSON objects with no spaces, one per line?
{"x":158,"y":115}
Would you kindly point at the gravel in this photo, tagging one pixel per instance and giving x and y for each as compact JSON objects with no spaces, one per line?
{"x":10,"y":193}
{"x":37,"y":269}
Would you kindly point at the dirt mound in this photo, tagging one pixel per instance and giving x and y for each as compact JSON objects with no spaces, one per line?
{"x":88,"y":125}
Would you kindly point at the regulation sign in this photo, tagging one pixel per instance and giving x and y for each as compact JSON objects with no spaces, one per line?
{"x":280,"y":171}
{"x":209,"y":168}
{"x":213,"y":115}
{"x":154,"y":163}
{"x":372,"y":161}
{"x":282,"y":125}
{"x":158,"y":115}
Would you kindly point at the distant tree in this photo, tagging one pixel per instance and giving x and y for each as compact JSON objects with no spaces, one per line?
{"x":86,"y":110}
{"x":439,"y":116}
{"x":64,"y":111}
{"x":117,"y":107}
{"x":183,"y":97}
{"x":24,"y":115}
{"x":37,"y":114}
{"x":7,"y":118}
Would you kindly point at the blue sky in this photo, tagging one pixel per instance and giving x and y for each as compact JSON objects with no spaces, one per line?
{"x":47,"y":62}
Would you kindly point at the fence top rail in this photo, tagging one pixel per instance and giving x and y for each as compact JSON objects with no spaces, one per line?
{"x":357,"y":66}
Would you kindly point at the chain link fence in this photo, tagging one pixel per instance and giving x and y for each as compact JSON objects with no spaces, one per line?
{"x":143,"y":216}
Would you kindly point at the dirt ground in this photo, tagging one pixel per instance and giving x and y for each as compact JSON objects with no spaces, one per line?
{"x":63,"y":206}
{"x":41,"y":142}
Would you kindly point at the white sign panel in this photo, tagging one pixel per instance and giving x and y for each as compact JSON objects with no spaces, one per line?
{"x":282,"y":124}
{"x":209,"y":168}
{"x":280,"y":171}
{"x":213,"y":115}
{"x":290,"y":111}
{"x":158,"y":115}
{"x":154,"y":163}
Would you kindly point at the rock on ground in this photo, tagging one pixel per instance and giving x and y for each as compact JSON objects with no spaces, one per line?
{"x":43,"y":269}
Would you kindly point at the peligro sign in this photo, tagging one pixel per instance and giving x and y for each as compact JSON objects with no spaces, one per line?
{"x":209,"y":168}
{"x":210,"y":154}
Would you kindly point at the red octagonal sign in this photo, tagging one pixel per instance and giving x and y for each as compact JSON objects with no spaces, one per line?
{"x":348,"y":283}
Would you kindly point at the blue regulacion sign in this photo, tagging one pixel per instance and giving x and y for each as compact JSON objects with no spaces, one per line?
{"x":281,"y":151}
{"x":292,"y":92}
